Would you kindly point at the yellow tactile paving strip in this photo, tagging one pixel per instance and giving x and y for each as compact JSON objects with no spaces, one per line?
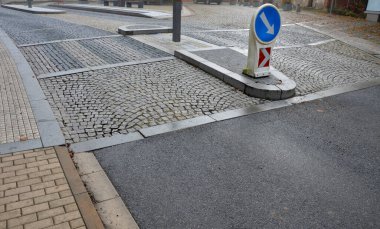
{"x":17,"y":122}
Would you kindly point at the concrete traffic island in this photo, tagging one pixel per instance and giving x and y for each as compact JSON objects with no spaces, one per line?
{"x":227,"y":64}
{"x":116,"y":10}
{"x":33,"y":10}
{"x":143,"y":29}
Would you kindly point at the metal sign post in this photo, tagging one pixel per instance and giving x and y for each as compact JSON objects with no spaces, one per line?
{"x":264,"y":29}
{"x":177,"y":8}
{"x":29,"y":3}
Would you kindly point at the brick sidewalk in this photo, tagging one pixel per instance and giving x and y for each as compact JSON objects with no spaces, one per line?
{"x":34,"y":192}
{"x":17,"y":122}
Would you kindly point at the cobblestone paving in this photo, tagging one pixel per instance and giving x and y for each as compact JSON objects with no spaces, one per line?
{"x":34,"y":192}
{"x":289,"y":35}
{"x":26,"y":28}
{"x":68,"y":55}
{"x":316,"y":68}
{"x":17,"y":121}
{"x":120,"y":100}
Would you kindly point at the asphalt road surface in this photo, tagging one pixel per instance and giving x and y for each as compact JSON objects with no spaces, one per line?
{"x":311,"y":165}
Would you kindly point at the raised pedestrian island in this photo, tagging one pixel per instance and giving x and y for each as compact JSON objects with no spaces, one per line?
{"x":143,"y":29}
{"x":227,"y":64}
{"x":34,"y":10}
{"x":117,"y":10}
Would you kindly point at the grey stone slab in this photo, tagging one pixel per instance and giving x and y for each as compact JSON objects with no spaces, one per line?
{"x":66,"y":40}
{"x":20,"y":146}
{"x":169,"y":127}
{"x":348,"y":88}
{"x":249,"y":110}
{"x":42,"y":111}
{"x":131,"y":63}
{"x":50,"y":133}
{"x":33,"y":10}
{"x":118,"y":10}
{"x":139,"y":29}
{"x":305,"y":98}
{"x":62,"y":73}
{"x":105,"y":142}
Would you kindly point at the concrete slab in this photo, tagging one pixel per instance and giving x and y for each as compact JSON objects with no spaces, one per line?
{"x":86,"y":163}
{"x":143,"y":29}
{"x":103,"y":192}
{"x":20,"y":146}
{"x":104,"y":142}
{"x":117,"y":10}
{"x":163,"y":41}
{"x":34,"y":9}
{"x":115,"y":214}
{"x":227,"y":64}
{"x":173,"y":126}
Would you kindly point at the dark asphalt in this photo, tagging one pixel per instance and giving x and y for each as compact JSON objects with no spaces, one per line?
{"x":311,"y":165}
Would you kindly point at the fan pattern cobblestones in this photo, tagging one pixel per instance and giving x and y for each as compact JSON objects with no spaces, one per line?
{"x":17,"y":122}
{"x":110,"y":101}
{"x":34,"y":192}
{"x":63,"y":56}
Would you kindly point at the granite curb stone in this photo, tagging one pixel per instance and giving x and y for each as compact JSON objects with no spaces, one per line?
{"x":283,"y":90}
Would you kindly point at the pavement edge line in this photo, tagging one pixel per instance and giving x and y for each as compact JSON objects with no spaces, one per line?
{"x":68,"y":40}
{"x":100,"y":143}
{"x":83,"y":200}
{"x":99,"y":67}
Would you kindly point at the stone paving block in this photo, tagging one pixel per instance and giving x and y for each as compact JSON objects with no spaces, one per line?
{"x":39,"y":224}
{"x":71,"y":55}
{"x":179,"y":92}
{"x":17,"y":122}
{"x":28,"y":202}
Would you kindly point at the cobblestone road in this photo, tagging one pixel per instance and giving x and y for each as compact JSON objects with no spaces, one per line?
{"x":26,"y":28}
{"x":289,"y":36}
{"x":17,"y":121}
{"x":101,"y":103}
{"x":68,"y":55}
{"x":120,"y":100}
{"x":315,"y":68}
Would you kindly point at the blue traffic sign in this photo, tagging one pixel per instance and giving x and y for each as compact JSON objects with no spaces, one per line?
{"x":267,"y":23}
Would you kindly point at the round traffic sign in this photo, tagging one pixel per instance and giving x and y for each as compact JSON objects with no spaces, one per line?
{"x":267,"y":23}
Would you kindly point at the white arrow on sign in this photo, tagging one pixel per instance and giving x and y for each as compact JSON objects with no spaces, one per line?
{"x":266,"y":23}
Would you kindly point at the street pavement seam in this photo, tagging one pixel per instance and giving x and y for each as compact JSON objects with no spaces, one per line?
{"x":100,"y":143}
{"x":92,"y":68}
{"x":65,"y":40}
{"x":365,"y":45}
{"x":48,"y":127}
